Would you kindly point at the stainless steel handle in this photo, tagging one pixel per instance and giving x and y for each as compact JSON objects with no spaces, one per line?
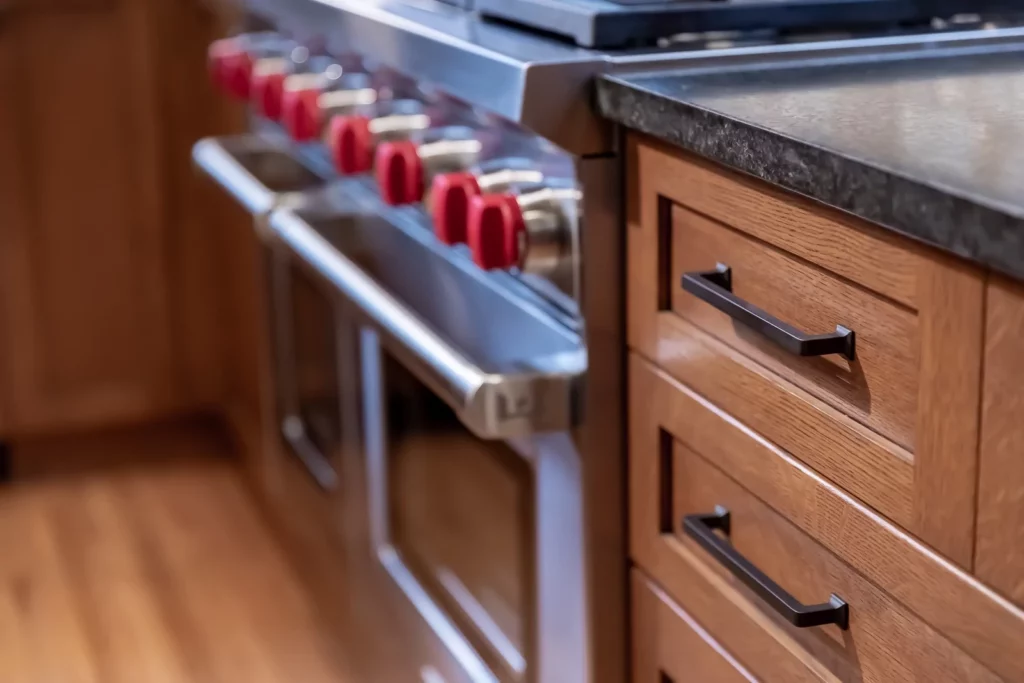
{"x":492,"y":406}
{"x":224,"y":160}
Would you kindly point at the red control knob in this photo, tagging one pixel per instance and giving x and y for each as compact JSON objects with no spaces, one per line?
{"x":301,"y":114}
{"x":221,"y":57}
{"x":451,"y":194}
{"x":496,"y":229}
{"x":268,"y":93}
{"x":399,"y":172}
{"x":351,"y":144}
{"x":238,"y":74}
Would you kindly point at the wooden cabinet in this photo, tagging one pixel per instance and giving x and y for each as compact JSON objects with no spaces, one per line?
{"x":108,"y":302}
{"x":687,"y":457}
{"x":890,"y":477}
{"x":999,"y":555}
{"x":896,"y":423}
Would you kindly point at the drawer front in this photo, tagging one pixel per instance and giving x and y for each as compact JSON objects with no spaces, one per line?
{"x":878,"y":389}
{"x":897,"y":425}
{"x":670,"y":647}
{"x":913,"y":615}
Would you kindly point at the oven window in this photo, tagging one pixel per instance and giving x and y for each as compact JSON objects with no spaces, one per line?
{"x":460,"y":513}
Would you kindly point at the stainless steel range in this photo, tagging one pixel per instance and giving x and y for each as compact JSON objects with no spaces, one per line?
{"x":443,"y":215}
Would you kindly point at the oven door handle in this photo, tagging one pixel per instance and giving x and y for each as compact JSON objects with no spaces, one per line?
{"x":491,"y":405}
{"x":223,"y":160}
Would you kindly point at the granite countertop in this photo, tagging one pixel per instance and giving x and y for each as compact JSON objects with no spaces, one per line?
{"x":931,"y":147}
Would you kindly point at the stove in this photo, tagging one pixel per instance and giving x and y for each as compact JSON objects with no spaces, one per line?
{"x":611,"y":24}
{"x":441,"y":175}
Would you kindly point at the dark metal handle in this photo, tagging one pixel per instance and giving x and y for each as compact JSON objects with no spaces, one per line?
{"x":701,"y":528}
{"x":715,"y":288}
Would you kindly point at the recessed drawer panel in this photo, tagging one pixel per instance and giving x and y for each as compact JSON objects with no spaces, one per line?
{"x":669,"y":646}
{"x":855,"y":351}
{"x":713,"y":507}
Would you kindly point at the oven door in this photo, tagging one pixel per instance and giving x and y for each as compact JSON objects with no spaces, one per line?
{"x":451,"y":518}
{"x":472,"y":494}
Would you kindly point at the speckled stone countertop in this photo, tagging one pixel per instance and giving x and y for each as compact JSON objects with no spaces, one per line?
{"x":930,"y":147}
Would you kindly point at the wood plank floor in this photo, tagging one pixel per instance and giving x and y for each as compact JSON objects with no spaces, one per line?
{"x":147,"y":562}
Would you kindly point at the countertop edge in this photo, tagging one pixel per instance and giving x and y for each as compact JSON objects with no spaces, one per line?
{"x":910,"y":208}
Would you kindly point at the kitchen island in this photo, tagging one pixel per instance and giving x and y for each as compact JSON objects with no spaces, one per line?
{"x":869,"y":480}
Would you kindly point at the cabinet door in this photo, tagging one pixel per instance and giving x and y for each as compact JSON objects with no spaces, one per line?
{"x":83,"y":308}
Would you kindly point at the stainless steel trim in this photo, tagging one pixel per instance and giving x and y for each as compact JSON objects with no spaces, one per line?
{"x":292,"y":426}
{"x":375,"y":443}
{"x":393,"y":124}
{"x":508,"y":178}
{"x":564,"y":635}
{"x":561,"y":637}
{"x":492,"y":405}
{"x":481,"y":619}
{"x":260,"y":174}
{"x":529,"y":79}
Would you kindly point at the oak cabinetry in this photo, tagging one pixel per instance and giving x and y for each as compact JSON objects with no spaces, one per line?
{"x":85,"y":316}
{"x":999,"y":555}
{"x":108,"y":298}
{"x":855,"y":475}
{"x":890,"y":425}
{"x":687,"y":457}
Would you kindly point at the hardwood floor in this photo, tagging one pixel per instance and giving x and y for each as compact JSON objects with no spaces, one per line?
{"x":147,"y":562}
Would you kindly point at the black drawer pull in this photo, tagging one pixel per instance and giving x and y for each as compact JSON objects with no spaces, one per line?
{"x":701,"y":528}
{"x":715,"y":288}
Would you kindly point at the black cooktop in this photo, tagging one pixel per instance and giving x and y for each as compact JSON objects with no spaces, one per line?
{"x":610,"y":24}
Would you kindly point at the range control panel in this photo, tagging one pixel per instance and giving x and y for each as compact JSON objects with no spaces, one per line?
{"x":507,"y":196}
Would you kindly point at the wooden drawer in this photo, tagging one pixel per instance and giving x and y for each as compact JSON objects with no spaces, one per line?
{"x":878,"y":389}
{"x":670,"y":647}
{"x":914,"y":616}
{"x":897,"y":425}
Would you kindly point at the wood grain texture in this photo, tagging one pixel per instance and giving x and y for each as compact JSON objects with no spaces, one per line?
{"x":86,"y":316}
{"x":885,"y":641}
{"x":878,"y":389}
{"x":952,"y":321}
{"x":939,"y":475}
{"x":189,"y":108}
{"x":999,"y":556}
{"x":873,"y":469}
{"x":719,"y":605}
{"x":669,"y":644}
{"x":973,"y":617}
{"x":150,"y":563}
{"x":869,"y":256}
{"x":111,"y":272}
